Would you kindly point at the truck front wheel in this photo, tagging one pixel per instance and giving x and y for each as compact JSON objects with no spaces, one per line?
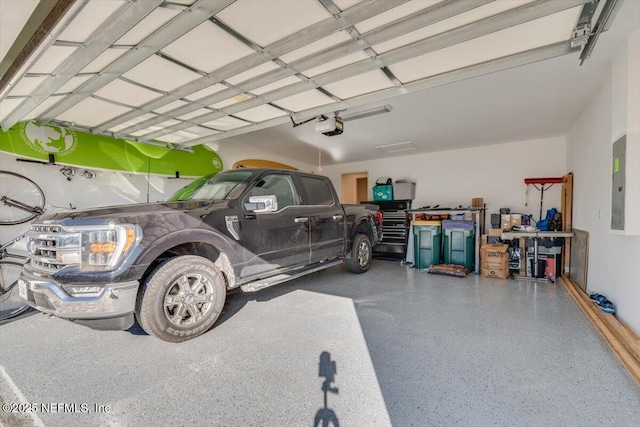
{"x":181,"y":298}
{"x":360,"y":254}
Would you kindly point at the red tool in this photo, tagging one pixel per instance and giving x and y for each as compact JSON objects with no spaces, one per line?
{"x":542,"y":182}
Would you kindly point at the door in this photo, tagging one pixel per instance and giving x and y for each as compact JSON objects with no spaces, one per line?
{"x":326,"y":218}
{"x":354,"y":187}
{"x":362,"y":189}
{"x":275,"y":240}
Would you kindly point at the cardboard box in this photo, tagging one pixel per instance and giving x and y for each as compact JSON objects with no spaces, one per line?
{"x":505,"y":221}
{"x":495,"y":232}
{"x":477,"y":202}
{"x":516,"y":219}
{"x":494,"y":261}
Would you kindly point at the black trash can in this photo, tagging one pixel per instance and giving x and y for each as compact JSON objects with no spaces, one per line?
{"x":542,"y":265}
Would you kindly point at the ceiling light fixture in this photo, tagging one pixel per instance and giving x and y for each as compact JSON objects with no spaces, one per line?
{"x":387,"y":108}
{"x":400,"y":146}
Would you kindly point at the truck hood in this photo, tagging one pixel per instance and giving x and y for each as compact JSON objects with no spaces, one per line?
{"x":133,"y":210}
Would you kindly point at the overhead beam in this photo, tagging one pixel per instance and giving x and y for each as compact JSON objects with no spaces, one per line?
{"x":171,"y":31}
{"x":325,"y":28}
{"x":121,"y":21}
{"x":440,"y":41}
{"x":42,"y":21}
{"x":430,"y":15}
{"x":493,"y":66}
{"x":608,"y":14}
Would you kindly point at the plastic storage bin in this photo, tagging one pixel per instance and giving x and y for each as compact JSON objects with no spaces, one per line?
{"x":458,"y":243}
{"x":383,"y":192}
{"x":404,"y":190}
{"x":427,"y":238}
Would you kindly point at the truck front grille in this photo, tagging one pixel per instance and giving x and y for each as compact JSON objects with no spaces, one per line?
{"x":44,"y":248}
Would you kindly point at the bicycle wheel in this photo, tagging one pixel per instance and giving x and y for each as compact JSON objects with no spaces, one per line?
{"x":11,"y":303}
{"x":21,"y":199}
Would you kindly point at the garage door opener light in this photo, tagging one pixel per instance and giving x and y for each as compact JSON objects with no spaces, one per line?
{"x":387,"y":108}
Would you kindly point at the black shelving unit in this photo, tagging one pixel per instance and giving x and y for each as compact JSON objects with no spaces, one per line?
{"x":395,"y":229}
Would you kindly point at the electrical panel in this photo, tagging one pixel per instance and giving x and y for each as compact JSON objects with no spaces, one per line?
{"x":618,"y":183}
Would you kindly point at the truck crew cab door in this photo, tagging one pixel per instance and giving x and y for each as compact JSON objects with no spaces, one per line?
{"x":326,"y":217}
{"x":275,"y":240}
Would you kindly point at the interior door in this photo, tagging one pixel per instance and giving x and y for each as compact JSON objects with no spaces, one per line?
{"x":275,"y":240}
{"x":326,"y":218}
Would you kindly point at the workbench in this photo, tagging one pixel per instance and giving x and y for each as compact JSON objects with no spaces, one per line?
{"x":535,"y":235}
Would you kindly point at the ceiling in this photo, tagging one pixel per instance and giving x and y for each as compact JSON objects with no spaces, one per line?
{"x":187,"y":72}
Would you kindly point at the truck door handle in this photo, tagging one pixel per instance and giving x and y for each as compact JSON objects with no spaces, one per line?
{"x":301,"y":219}
{"x":337,"y":217}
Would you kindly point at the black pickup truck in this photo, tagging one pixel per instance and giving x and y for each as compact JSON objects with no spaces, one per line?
{"x":172,"y":263}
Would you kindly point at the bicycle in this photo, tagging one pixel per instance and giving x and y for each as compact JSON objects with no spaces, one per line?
{"x":22,"y":199}
{"x":11,"y":303}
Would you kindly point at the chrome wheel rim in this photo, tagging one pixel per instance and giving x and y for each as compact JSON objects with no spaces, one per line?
{"x":188,"y":299}
{"x":364,"y":253}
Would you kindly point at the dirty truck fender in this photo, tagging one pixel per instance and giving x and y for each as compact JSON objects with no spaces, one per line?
{"x":232,"y":253}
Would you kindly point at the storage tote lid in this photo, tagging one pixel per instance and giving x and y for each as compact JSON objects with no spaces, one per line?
{"x":423,"y":222}
{"x":448,"y":224}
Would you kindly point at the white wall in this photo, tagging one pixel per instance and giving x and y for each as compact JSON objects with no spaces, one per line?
{"x":614,"y":258}
{"x":495,"y":173}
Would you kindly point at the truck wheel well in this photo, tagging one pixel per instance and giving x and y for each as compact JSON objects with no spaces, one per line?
{"x":205,"y":250}
{"x":363,"y":228}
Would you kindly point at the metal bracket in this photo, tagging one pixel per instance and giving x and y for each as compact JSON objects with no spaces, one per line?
{"x":580,"y":35}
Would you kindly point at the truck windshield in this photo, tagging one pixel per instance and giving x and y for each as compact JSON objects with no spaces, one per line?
{"x":225,"y":185}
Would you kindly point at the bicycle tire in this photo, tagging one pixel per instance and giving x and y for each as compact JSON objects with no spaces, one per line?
{"x":25,"y":191}
{"x":11,"y":303}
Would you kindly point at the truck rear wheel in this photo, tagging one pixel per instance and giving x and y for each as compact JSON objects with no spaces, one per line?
{"x":360,"y":254}
{"x":181,"y":299}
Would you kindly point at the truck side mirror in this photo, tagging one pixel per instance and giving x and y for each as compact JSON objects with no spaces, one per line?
{"x":262,"y":204}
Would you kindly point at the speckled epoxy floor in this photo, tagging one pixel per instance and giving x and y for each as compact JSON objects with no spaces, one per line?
{"x":411,"y":349}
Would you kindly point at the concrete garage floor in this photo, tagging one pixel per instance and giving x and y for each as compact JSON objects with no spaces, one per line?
{"x":411,"y":349}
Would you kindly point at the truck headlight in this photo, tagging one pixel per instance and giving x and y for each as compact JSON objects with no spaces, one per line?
{"x":102,"y":248}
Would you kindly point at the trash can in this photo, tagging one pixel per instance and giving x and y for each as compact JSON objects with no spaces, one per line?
{"x":427,"y":238}
{"x":542,"y":266}
{"x":458,"y":243}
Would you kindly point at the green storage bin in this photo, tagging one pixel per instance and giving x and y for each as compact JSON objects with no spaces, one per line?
{"x":458,"y":243}
{"x":427,"y":238}
{"x":383,"y":192}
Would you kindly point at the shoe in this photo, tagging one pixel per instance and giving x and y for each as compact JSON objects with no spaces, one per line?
{"x":607,"y":306}
{"x":599,"y":299}
{"x":594,"y":296}
{"x":608,"y":309}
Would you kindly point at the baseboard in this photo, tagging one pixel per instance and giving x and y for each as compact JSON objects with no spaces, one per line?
{"x":624,"y":343}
